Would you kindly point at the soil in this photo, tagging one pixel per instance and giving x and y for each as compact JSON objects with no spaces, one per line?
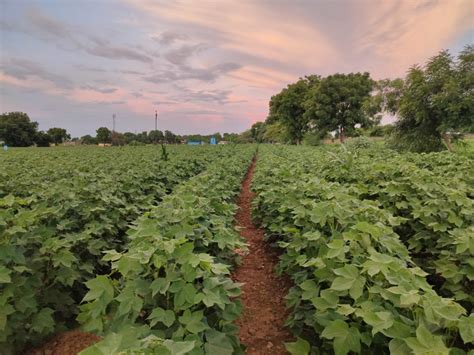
{"x":261,"y":325}
{"x":67,"y":343}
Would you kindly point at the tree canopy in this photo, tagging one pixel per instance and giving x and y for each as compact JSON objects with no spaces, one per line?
{"x":17,"y":130}
{"x":436,"y":102}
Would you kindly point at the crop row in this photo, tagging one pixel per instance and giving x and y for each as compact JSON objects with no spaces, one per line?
{"x":57,"y":218}
{"x":170,"y":292}
{"x":358,"y":284}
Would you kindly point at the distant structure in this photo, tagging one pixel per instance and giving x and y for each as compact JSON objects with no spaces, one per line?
{"x":213,"y":141}
{"x":195,"y":142}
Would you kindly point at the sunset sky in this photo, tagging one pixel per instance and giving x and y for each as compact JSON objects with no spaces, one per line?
{"x":205,"y":66}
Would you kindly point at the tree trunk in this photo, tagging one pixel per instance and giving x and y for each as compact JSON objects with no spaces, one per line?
{"x":341,"y":135}
{"x":447,"y":140}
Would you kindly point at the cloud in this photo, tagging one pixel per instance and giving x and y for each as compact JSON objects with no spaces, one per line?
{"x":168,"y":37}
{"x":189,"y":73}
{"x":23,"y":69}
{"x":101,"y":90}
{"x":90,"y":69}
{"x":47,"y":28}
{"x":103,"y":48}
{"x":181,"y":55}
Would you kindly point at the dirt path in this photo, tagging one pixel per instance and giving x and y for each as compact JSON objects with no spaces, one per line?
{"x":261,"y":324}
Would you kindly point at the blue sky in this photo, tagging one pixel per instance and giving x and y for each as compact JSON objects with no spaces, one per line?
{"x":205,"y":66}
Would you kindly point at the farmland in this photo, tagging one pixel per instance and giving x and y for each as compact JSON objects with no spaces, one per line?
{"x":139,"y":247}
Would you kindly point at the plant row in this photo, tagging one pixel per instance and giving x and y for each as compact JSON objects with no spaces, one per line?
{"x":53,"y":230}
{"x":357,"y":287}
{"x":170,"y":291}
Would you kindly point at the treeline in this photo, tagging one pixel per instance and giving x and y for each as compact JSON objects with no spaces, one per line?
{"x":17,"y":130}
{"x":432,"y":104}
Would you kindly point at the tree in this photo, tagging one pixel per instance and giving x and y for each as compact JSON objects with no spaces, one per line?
{"x":43,"y":139}
{"x":58,"y":135}
{"x":170,"y":138}
{"x":156,"y":136}
{"x":276,"y":133}
{"x":257,"y":131}
{"x":117,"y":139}
{"x":288,"y":107}
{"x":337,"y":103}
{"x":436,"y":101}
{"x":17,"y":130}
{"x":88,"y":139}
{"x":104,"y":135}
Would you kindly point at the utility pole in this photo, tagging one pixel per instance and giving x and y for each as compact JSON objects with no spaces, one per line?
{"x":113,"y":123}
{"x":156,"y":120}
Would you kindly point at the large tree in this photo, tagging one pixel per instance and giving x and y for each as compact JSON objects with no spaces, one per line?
{"x":436,"y":101}
{"x":17,"y":130}
{"x":156,"y":136}
{"x":58,"y":135}
{"x":104,"y":135}
{"x":43,"y":139}
{"x":338,"y":102}
{"x":288,"y":107}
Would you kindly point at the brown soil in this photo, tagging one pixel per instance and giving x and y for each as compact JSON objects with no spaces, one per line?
{"x":262,"y":322}
{"x":68,"y":343}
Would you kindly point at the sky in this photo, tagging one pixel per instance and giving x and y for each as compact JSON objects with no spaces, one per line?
{"x":204,"y":66}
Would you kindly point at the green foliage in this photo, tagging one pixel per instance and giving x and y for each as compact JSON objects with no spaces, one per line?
{"x":379,"y":252}
{"x":104,"y":135}
{"x":337,"y":102}
{"x":17,"y":130}
{"x":288,"y":108}
{"x":59,"y":216}
{"x":172,"y":280}
{"x":436,"y":101}
{"x":58,"y":135}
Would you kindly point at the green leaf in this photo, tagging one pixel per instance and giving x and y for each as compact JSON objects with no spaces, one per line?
{"x":426,"y":343}
{"x":218,"y":343}
{"x":345,"y":339}
{"x":299,"y":347}
{"x":193,"y":321}
{"x":466,"y":328}
{"x":5,"y":275}
{"x":342,"y":284}
{"x":167,"y":317}
{"x":43,"y":321}
{"x":179,"y":347}
{"x":100,"y":287}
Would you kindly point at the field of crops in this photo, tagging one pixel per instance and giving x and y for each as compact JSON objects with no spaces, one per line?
{"x":138,"y":247}
{"x":62,"y":210}
{"x":380,"y":247}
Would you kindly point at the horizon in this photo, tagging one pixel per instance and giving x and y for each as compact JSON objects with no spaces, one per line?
{"x":208,"y":68}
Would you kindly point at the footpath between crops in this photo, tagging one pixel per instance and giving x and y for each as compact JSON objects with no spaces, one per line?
{"x":262,"y":322}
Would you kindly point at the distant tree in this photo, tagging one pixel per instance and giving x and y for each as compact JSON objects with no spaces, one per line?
{"x":276,"y":133}
{"x":436,"y":101}
{"x":17,"y":130}
{"x":104,"y":135}
{"x":129,"y":137}
{"x":337,"y":103}
{"x":117,"y":139}
{"x":43,"y":139}
{"x":288,"y":107}
{"x":88,"y":139}
{"x":257,"y":131}
{"x":170,"y":138}
{"x":156,"y":137}
{"x":143,"y":137}
{"x":58,"y":135}
{"x":230,"y":137}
